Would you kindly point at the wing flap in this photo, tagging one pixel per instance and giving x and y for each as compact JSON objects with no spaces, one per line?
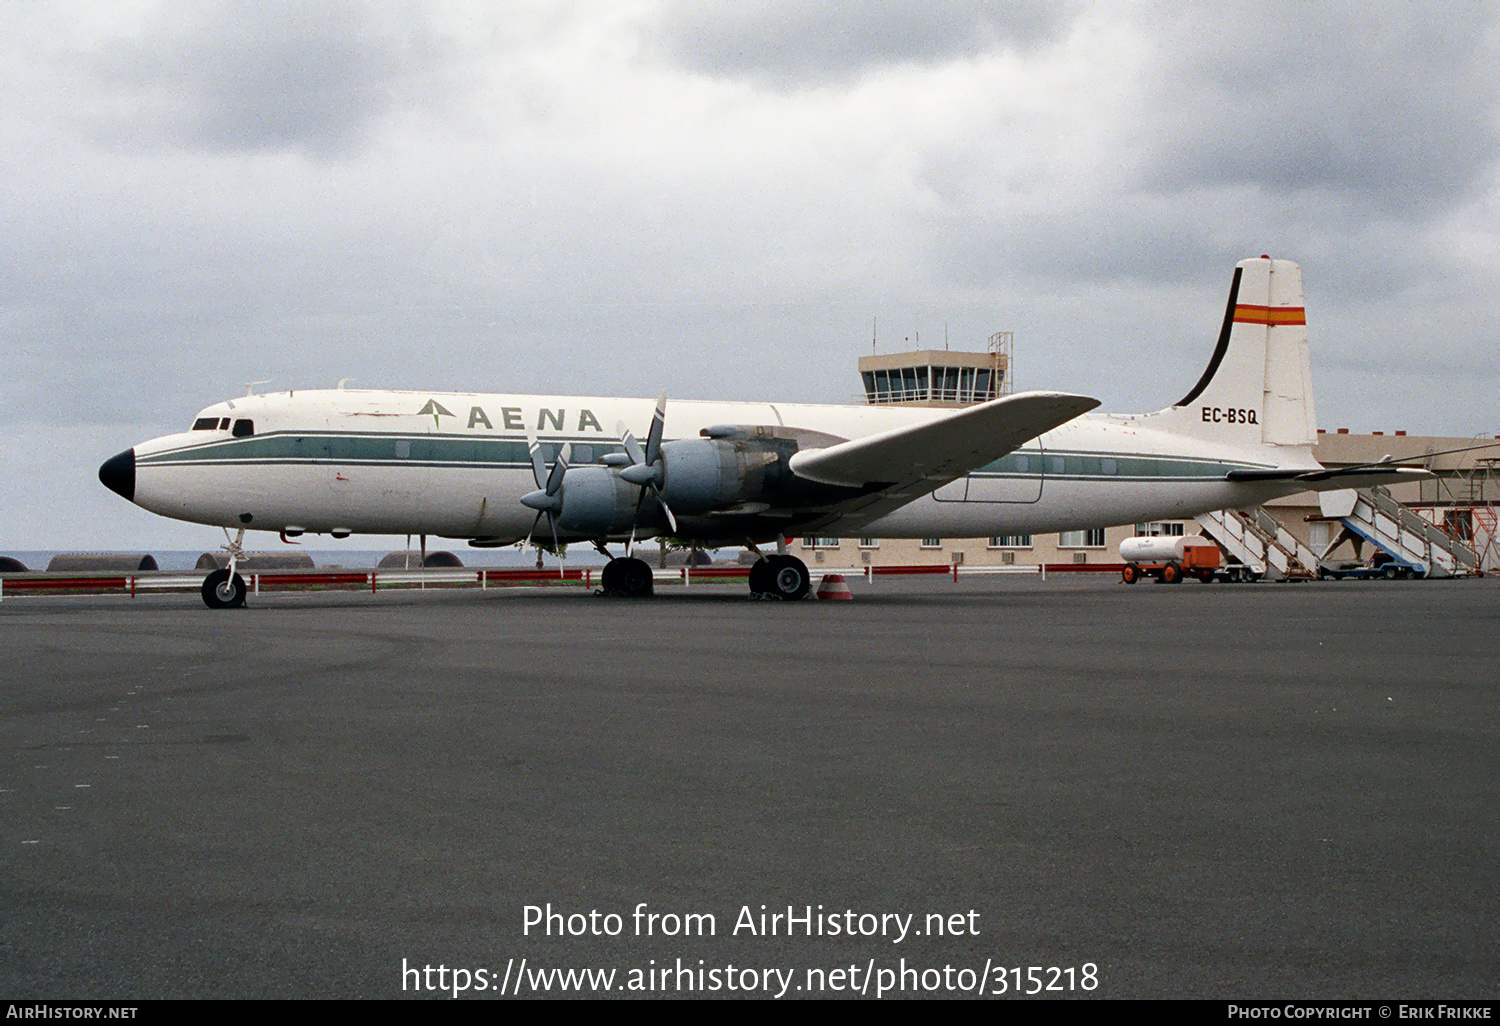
{"x":918,"y":458}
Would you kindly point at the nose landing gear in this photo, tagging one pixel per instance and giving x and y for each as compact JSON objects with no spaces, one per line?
{"x":225,"y":589}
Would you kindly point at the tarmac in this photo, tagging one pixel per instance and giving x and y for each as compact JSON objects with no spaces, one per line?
{"x":938,"y":789}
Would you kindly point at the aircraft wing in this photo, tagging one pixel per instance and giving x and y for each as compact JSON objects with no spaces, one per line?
{"x":896,"y":466}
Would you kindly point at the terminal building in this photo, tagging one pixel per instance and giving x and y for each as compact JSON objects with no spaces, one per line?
{"x":1461,"y":501}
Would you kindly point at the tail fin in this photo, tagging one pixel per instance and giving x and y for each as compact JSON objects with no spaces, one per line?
{"x":1257,"y":388}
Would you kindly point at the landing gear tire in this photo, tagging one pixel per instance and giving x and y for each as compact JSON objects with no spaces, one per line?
{"x":223,"y":590}
{"x":627,"y":577}
{"x":760,"y":577}
{"x":783,"y":577}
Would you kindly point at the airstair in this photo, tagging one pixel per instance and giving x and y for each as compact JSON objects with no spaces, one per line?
{"x":1373,"y":515}
{"x":1466,"y":506}
{"x":1260,"y":542}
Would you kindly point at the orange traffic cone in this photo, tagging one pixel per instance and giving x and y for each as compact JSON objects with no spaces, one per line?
{"x":834,"y":586}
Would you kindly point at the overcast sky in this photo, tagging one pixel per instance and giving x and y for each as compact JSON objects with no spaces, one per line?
{"x":719,"y":200}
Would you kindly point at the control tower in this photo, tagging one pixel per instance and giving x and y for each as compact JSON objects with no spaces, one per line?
{"x":938,"y":377}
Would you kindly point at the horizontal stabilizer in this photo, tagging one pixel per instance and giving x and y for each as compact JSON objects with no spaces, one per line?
{"x":1343,"y":477}
{"x":938,"y":451}
{"x":1364,"y":475}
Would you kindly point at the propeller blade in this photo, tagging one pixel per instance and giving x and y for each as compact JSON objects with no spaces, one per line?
{"x":658,"y":425}
{"x":538,"y":468}
{"x":556,"y":549}
{"x":632,"y":447}
{"x":671,"y":518}
{"x":559,"y":470}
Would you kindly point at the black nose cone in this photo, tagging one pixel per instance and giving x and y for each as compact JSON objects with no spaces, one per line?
{"x":118,"y":474}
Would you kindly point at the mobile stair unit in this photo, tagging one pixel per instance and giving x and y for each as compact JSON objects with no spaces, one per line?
{"x":1261,"y":543}
{"x":1373,"y":515}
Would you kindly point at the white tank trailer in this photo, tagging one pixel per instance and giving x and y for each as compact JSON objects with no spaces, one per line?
{"x":1169,"y":558}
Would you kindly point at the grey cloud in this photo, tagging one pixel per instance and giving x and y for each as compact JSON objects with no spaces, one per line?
{"x":313,"y":75}
{"x":1394,"y":108}
{"x":819,"y":41}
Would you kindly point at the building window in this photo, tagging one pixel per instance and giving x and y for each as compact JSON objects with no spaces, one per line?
{"x":1090,"y":539}
{"x":1010,"y":541}
{"x":932,"y":543}
{"x":1159,"y":528}
{"x":869,"y":543}
{"x":820,"y":543}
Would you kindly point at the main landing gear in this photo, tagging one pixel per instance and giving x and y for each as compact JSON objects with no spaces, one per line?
{"x":772,"y":577}
{"x":626,"y":577}
{"x":780,"y":577}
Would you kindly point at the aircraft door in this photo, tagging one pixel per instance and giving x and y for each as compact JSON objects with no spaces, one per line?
{"x":1017,"y":478}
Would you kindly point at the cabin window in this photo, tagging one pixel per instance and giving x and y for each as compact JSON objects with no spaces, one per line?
{"x":243,"y":428}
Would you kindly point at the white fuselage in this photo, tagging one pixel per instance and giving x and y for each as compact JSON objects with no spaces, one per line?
{"x":456,"y":465}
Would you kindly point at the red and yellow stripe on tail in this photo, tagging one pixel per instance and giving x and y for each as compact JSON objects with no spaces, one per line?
{"x":1272,"y":316}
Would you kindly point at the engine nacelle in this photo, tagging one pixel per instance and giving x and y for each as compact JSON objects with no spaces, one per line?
{"x":696,"y":476}
{"x":708,"y":474}
{"x":595,"y":502}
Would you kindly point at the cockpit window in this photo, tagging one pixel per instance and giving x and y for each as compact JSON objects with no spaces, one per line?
{"x":242,"y":428}
{"x":205,"y":423}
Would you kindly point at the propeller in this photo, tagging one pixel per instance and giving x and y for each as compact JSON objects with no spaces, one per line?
{"x":547,"y":499}
{"x":648,"y":470}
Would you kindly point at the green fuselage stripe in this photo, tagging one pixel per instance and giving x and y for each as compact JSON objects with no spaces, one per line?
{"x":418,"y":450}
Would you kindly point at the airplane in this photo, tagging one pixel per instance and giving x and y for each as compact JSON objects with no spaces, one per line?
{"x":489,"y":468}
